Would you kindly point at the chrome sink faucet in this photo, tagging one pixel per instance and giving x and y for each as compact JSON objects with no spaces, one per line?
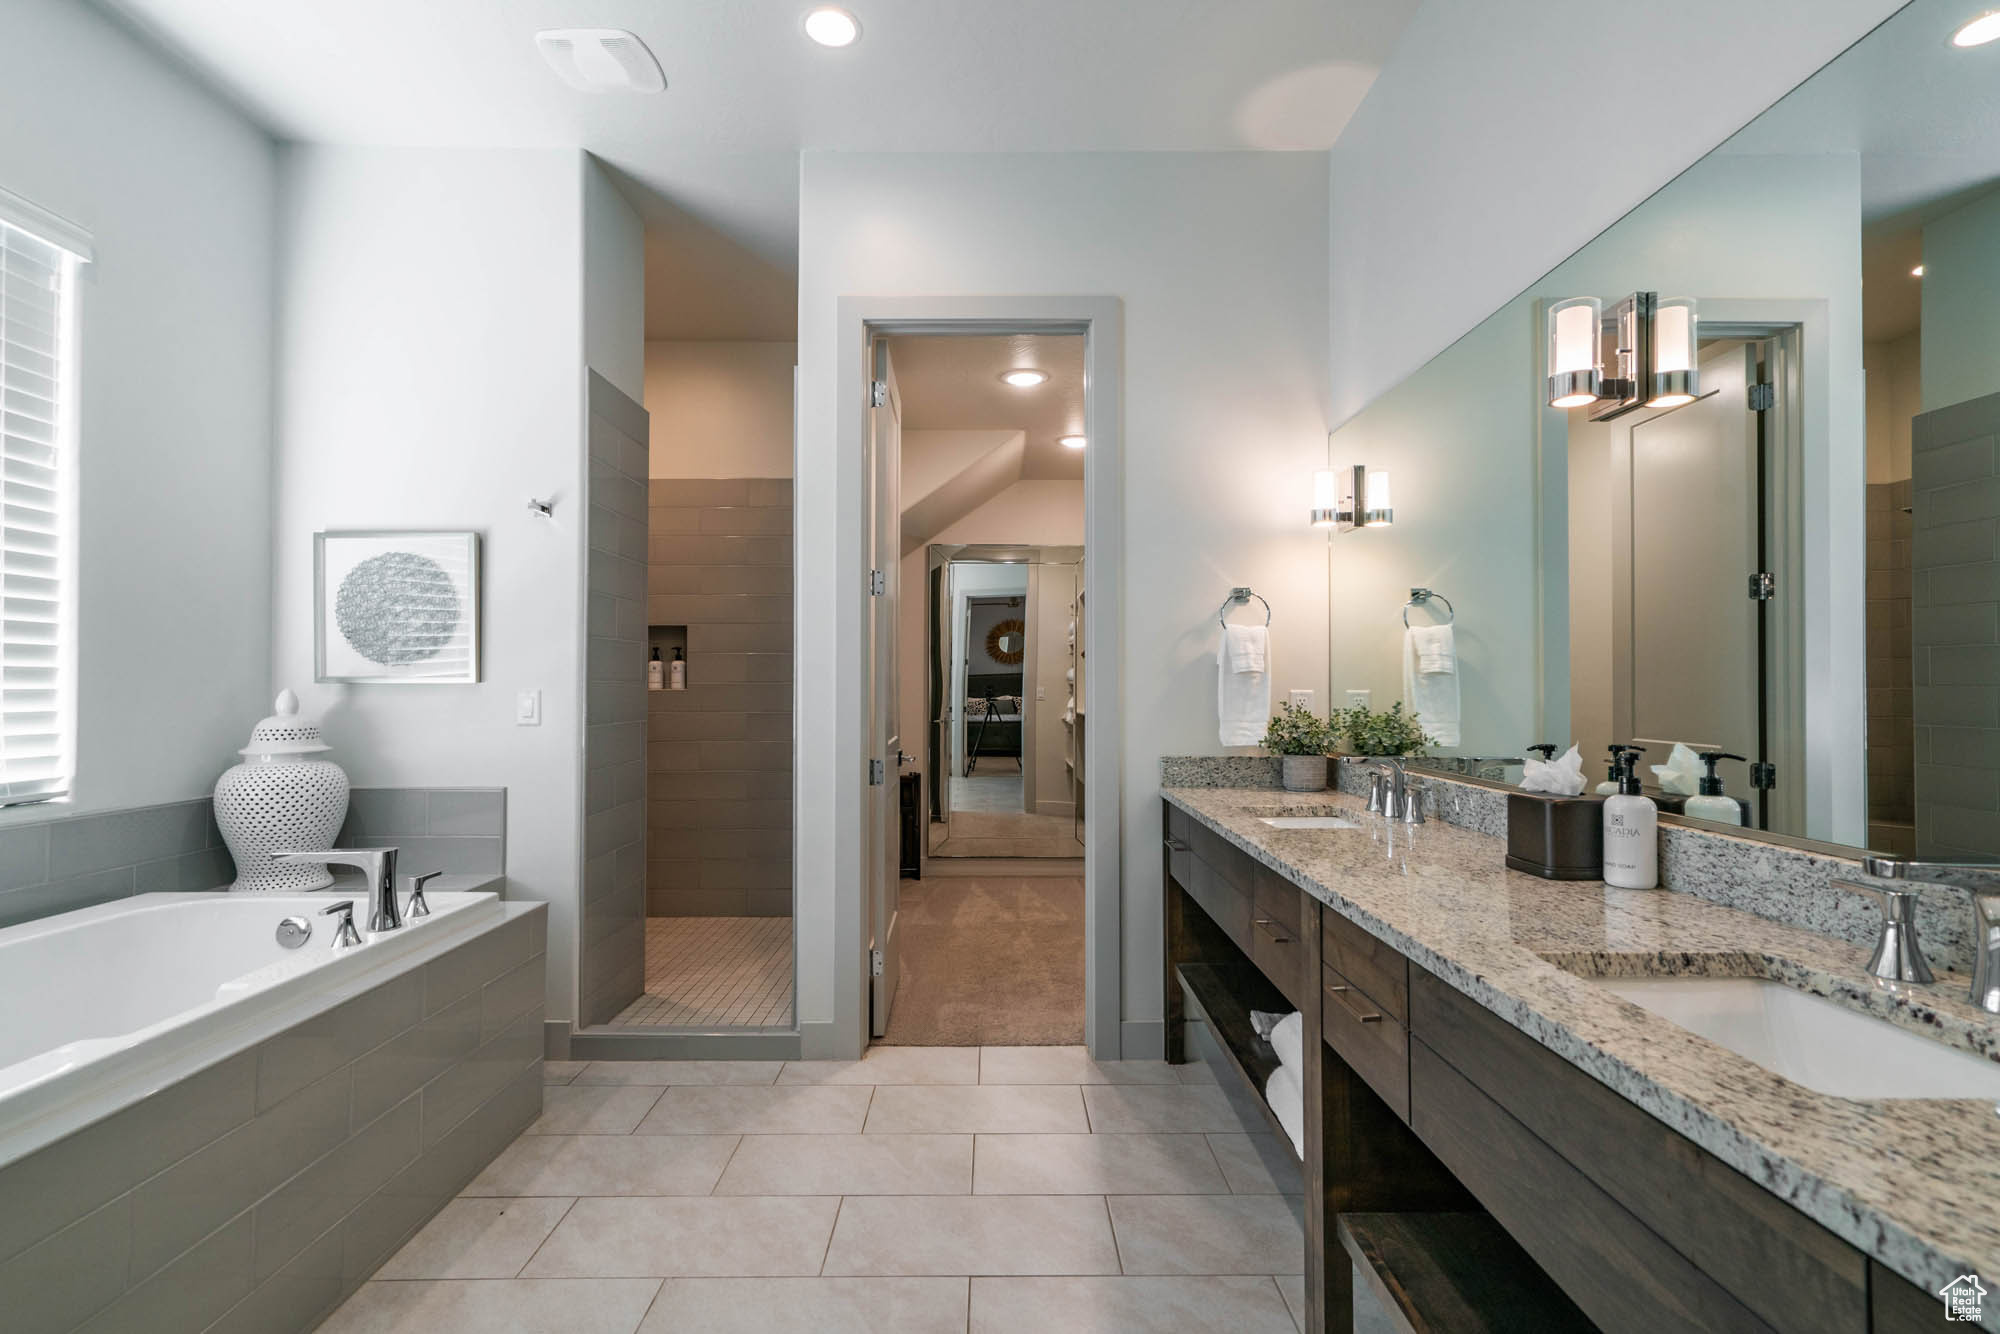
{"x":1898,"y":950}
{"x":378,"y":864}
{"x":1392,"y":796}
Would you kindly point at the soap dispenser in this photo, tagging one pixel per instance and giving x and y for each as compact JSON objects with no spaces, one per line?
{"x":1631,"y":832}
{"x":1713,"y":804}
{"x":656,"y":671}
{"x":1609,"y":787}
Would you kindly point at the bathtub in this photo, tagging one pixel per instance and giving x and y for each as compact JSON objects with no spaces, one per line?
{"x":108,"y":1004}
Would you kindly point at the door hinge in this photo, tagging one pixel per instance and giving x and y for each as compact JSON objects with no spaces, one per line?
{"x":874,"y":963}
{"x":1763,"y":776}
{"x":878,"y":393}
{"x":1763,"y":586}
{"x":1762,"y":397}
{"x":878,"y":583}
{"x":877,"y":771}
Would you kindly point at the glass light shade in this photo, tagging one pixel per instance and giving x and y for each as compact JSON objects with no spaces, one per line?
{"x":1675,"y":333}
{"x":1326,"y":498}
{"x":1574,"y":366}
{"x":1376,"y":510}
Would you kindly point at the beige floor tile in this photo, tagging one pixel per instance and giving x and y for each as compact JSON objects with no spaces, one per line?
{"x":1258,"y":1164}
{"x":1173,"y":1109}
{"x":679,"y":1072}
{"x":891,"y":1065}
{"x":1207,"y":1234}
{"x":594,"y":1109}
{"x":478,"y":1239}
{"x":1194,"y":1072}
{"x":724,"y":1110}
{"x":668,"y":1238}
{"x":978,"y":1109}
{"x":809,"y":1306}
{"x":850,"y":1165}
{"x":1128,"y":1306}
{"x":1293,"y":1286}
{"x":517,"y":1306}
{"x":606,"y":1165}
{"x":1095,"y":1165}
{"x":973,"y":1234}
{"x":561,"y":1072}
{"x":1065,"y":1065}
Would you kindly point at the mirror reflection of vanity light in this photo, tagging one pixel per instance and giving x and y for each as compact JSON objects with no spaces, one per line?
{"x":1676,"y":379}
{"x":1376,"y":512}
{"x":1336,"y":492}
{"x":1576,"y":372}
{"x":1326,"y":499}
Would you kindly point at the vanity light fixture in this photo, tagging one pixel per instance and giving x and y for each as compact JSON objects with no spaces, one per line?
{"x":1072,"y":441}
{"x":1336,"y":492}
{"x":1978,"y":31}
{"x":1024,"y":377}
{"x":1576,"y":366}
{"x":830,"y":25}
{"x":1676,"y":377}
{"x":1642,"y":355}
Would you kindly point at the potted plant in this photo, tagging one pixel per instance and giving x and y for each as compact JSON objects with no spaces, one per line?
{"x":1373,"y":735}
{"x":1302,"y":739}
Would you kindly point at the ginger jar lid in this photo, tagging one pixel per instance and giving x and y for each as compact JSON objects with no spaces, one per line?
{"x":284,"y":732}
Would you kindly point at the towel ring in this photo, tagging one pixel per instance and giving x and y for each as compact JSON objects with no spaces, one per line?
{"x":1237,"y":595}
{"x":1419,"y":596}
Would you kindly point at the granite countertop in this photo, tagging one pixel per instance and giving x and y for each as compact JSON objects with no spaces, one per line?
{"x":1913,"y":1183}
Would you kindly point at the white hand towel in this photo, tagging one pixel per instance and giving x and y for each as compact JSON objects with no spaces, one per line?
{"x":1435,"y":651}
{"x":1431,"y":696}
{"x":1287,"y":1097}
{"x":1288,"y":1040}
{"x":1248,"y":647}
{"x":1243,"y":696}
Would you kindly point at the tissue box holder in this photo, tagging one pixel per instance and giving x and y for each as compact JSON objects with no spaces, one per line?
{"x":1556,"y":838}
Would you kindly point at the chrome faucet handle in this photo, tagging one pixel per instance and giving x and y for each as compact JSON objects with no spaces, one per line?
{"x":1986,"y":952}
{"x":344,"y":934}
{"x":419,"y":905}
{"x":1375,"y":791}
{"x":1898,"y":956}
{"x":1413,"y":802}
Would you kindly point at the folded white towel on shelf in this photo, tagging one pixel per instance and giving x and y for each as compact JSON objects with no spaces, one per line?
{"x":1435,"y":651}
{"x":1287,"y":1097}
{"x":1431,"y":696}
{"x":1243,"y":692}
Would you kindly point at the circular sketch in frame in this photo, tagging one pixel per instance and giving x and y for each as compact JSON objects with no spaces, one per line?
{"x":397,"y":608}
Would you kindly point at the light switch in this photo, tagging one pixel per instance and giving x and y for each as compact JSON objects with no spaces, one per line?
{"x":1358,"y":699}
{"x":1041,"y":692}
{"x":1302,"y":699}
{"x":528,"y":708}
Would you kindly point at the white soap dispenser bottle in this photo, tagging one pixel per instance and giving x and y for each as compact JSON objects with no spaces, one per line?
{"x":1713,"y":803}
{"x":656,"y":671}
{"x":1631,"y":833}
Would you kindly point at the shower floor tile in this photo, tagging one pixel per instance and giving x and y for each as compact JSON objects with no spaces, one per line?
{"x":715,"y":972}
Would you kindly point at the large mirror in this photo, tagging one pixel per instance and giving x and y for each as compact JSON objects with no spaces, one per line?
{"x":1726,"y":477}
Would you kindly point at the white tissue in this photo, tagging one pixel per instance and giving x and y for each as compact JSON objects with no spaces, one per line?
{"x":1681,"y":774}
{"x":1563,"y":777}
{"x":1288,"y":1040}
{"x":1287,"y":1098}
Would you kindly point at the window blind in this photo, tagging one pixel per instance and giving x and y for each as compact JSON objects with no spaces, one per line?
{"x":37,"y":516}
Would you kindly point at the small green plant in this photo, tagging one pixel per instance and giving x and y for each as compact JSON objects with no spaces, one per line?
{"x":1390,"y":733}
{"x":1297,"y":730}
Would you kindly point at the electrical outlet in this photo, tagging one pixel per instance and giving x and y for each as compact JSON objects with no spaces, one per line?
{"x":528,"y":708}
{"x":1358,"y":699}
{"x":1302,"y":699}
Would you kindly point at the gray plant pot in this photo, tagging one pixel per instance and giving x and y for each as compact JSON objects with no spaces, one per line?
{"x":1304,"y":773}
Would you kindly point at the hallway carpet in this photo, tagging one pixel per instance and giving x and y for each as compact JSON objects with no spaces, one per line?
{"x":994,"y":962}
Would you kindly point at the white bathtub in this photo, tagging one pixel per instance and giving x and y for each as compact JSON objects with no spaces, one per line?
{"x":107,"y":1004}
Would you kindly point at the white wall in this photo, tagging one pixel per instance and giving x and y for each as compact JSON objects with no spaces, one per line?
{"x":179,"y":192}
{"x":1219,"y":260}
{"x":1961,"y":322}
{"x":614,"y":284}
{"x":1895,"y":395}
{"x":1496,"y":141}
{"x":720,"y":409}
{"x":419,"y":390}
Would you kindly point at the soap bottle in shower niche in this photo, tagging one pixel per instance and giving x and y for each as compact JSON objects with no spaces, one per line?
{"x":656,"y":672}
{"x":1631,"y":833}
{"x":677,"y":670}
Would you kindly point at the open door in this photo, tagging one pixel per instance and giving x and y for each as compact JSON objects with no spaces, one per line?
{"x":938,"y":770}
{"x":885,"y":534}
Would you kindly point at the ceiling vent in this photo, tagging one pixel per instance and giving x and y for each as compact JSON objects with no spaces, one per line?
{"x":602,"y":60}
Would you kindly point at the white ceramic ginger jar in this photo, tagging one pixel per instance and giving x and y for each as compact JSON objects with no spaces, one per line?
{"x":281,"y":798}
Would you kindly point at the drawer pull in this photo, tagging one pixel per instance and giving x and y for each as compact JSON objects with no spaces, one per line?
{"x":1271,"y":929}
{"x":1175,"y":845}
{"x":1333,"y":989}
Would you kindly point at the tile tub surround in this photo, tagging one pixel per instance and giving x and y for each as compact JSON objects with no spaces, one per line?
{"x":253,"y":1195}
{"x":719,"y":753}
{"x":1910,"y":1183}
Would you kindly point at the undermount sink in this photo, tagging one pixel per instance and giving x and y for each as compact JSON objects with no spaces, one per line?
{"x":1307,"y":822}
{"x":1811,"y":1040}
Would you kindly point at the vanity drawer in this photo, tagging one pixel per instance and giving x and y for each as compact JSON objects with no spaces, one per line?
{"x":1277,"y":898}
{"x":1222,"y":901}
{"x":1374,"y":965}
{"x":1374,"y":1045}
{"x":1180,"y":853}
{"x":1222,"y":857}
{"x":1277,"y":946}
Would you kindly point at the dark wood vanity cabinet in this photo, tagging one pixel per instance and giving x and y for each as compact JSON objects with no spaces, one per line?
{"x":1427,"y":1101}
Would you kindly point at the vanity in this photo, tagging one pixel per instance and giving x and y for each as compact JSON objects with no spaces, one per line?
{"x":1484,"y":1115}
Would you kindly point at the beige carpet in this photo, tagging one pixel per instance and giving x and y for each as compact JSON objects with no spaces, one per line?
{"x":990,"y":962}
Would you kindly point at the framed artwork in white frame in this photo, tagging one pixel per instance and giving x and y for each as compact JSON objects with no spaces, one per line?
{"x":396,"y":607}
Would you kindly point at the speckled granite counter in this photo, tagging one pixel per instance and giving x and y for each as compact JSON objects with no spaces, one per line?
{"x":1914,"y":1184}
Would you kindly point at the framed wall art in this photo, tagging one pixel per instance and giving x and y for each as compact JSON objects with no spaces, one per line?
{"x":396,"y":607}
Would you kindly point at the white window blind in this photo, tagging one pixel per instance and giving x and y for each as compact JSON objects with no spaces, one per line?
{"x":37,"y":515}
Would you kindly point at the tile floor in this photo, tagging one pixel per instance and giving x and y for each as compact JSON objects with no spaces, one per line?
{"x":965,"y":1189}
{"x":715,"y":972}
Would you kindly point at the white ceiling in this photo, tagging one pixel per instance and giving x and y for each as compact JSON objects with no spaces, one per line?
{"x":951,"y":382}
{"x":746,"y":92}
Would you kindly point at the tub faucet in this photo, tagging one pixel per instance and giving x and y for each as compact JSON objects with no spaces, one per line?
{"x":378,"y":864}
{"x":1981,"y":879}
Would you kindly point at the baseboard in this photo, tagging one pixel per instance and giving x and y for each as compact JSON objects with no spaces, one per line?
{"x":635,"y":1045}
{"x":966,"y":868}
{"x":555,"y":1040}
{"x":820,"y":1041}
{"x":1142,"y":1039}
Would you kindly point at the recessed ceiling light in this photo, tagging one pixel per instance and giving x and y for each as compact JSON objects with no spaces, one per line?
{"x":1072,"y":441}
{"x":1024,"y":377}
{"x":1917,"y":272}
{"x":830,"y":25}
{"x":601,"y":60}
{"x":1979,"y":31}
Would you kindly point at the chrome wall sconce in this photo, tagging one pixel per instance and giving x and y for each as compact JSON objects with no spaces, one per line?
{"x":1639,"y":353}
{"x":1336,"y":492}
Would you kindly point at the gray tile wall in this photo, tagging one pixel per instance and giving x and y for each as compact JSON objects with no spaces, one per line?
{"x":719,"y":754}
{"x":251,"y":1197}
{"x":612,"y":967}
{"x":1891,"y":766}
{"x":69,"y":862}
{"x":1956,"y":668}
